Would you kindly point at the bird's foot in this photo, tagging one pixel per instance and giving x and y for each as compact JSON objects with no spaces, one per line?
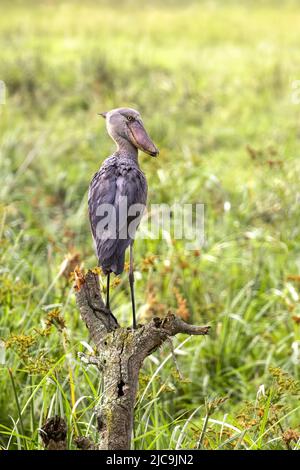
{"x":134,"y":327}
{"x":107,"y":310}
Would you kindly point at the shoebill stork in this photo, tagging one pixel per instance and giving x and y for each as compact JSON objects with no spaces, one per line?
{"x":118,"y":186}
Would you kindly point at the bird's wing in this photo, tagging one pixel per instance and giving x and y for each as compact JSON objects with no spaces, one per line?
{"x":130,"y":201}
{"x":121,"y":191}
{"x":102,"y":191}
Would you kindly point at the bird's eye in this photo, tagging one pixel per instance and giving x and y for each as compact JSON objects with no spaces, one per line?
{"x":130,"y":118}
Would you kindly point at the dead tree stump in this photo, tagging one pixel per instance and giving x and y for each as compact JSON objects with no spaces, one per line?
{"x":54,"y":434}
{"x":120,"y":355}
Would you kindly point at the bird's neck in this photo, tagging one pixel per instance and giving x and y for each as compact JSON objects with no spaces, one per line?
{"x":126,"y":148}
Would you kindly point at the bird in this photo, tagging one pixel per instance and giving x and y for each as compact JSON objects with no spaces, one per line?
{"x":117,"y":187}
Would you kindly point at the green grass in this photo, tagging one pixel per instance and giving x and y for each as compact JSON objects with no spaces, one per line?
{"x":210,"y":80}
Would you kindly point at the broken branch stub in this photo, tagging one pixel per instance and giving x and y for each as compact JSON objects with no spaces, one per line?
{"x":54,"y":433}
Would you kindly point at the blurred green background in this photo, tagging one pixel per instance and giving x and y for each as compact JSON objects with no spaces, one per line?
{"x":214,"y":83}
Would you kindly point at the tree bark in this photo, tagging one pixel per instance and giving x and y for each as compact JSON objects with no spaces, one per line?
{"x":120,"y":355}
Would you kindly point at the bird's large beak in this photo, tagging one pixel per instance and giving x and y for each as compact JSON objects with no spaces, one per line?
{"x":140,"y":138}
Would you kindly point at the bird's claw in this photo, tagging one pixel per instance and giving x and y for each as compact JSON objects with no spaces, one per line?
{"x":107,"y":310}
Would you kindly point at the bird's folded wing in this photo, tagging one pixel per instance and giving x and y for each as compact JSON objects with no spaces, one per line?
{"x":116,"y":204}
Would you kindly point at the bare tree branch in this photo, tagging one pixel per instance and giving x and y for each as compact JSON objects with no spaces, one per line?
{"x":98,"y":319}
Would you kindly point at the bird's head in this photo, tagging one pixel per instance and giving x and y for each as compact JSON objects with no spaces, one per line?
{"x":126,"y":123}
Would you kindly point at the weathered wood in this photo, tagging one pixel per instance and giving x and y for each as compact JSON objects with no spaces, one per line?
{"x":54,"y":433}
{"x":120,"y":355}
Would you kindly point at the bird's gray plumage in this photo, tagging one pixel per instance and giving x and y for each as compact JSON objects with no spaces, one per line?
{"x":119,"y":176}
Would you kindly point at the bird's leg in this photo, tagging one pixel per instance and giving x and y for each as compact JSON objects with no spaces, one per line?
{"x":131,"y":283}
{"x":107,"y":292}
